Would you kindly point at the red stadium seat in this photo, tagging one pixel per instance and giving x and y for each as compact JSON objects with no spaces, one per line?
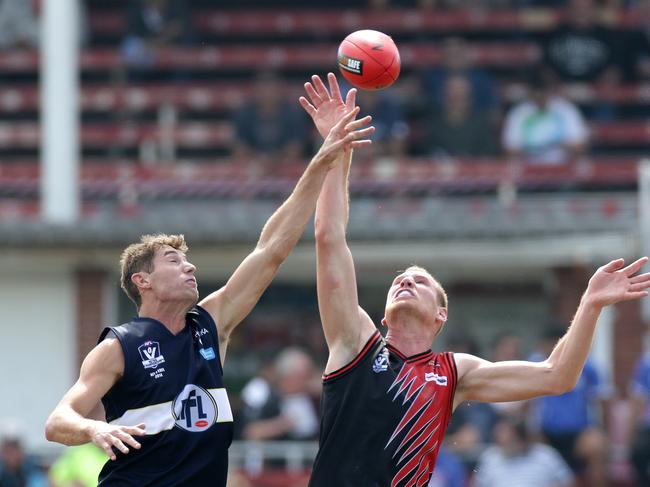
{"x":396,"y":21}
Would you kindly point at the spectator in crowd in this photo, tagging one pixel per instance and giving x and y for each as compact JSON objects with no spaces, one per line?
{"x":79,"y":466}
{"x":391,"y":129}
{"x":16,"y":468}
{"x":544,"y":128}
{"x":281,"y":405}
{"x":18,"y":24}
{"x":506,"y":345}
{"x":586,"y":51}
{"x":640,"y":420}
{"x":459,"y":130}
{"x":583,"y":50}
{"x":638,"y":54}
{"x":573,"y":422}
{"x":456,"y":60}
{"x":267,"y":127}
{"x":516,"y":460}
{"x":152,"y":26}
{"x":470,"y":430}
{"x":449,"y":472}
{"x":471,"y":425}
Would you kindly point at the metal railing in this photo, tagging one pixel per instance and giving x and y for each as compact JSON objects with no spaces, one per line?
{"x":252,"y":456}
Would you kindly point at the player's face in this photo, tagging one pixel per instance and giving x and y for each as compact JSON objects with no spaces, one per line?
{"x":172,"y":278}
{"x":412,"y":290}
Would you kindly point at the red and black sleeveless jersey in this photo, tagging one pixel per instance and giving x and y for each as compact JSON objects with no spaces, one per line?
{"x":384,"y":416}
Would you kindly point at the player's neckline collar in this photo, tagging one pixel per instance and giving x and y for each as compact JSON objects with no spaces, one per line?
{"x":413,"y":358}
{"x":160,"y":324}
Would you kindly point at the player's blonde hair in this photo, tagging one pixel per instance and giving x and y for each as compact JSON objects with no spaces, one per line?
{"x":441,"y":293}
{"x":139,"y":257}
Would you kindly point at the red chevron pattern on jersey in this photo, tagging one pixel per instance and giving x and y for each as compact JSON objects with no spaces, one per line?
{"x":426,"y":383}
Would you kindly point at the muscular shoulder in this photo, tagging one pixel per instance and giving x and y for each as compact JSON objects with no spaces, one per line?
{"x":106,"y":358}
{"x":466,"y":363}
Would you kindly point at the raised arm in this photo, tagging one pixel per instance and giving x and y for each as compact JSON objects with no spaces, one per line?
{"x":68,"y":423}
{"x":481,"y":380}
{"x":346,"y":326}
{"x":232,"y":303}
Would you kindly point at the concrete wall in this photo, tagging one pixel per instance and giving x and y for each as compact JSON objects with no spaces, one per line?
{"x":37,"y":348}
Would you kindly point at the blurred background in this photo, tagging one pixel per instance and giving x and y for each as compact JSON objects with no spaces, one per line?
{"x":508,"y":160}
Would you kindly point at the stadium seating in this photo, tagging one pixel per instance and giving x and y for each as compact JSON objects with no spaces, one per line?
{"x":120,"y":120}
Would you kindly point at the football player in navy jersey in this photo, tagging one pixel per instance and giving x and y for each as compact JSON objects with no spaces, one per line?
{"x":387,"y":401}
{"x":168,"y":418}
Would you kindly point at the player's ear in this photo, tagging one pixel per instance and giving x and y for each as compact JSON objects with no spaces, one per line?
{"x":441,"y":315}
{"x":383,"y":321}
{"x":141,"y":279}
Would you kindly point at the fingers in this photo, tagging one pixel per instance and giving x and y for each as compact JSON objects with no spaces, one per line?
{"x":351,"y":99}
{"x":117,"y":443}
{"x":118,"y":440}
{"x":320,"y":88}
{"x":313,"y":96}
{"x":635,"y":295}
{"x":640,"y":278}
{"x":641,"y":286}
{"x":309,"y":108}
{"x":347,"y":118}
{"x":360,"y":143}
{"x":357,"y":124}
{"x":351,"y":139}
{"x":127,"y":438}
{"x":613,"y":265}
{"x":334,"y":87}
{"x":107,"y":447}
{"x":359,"y":134}
{"x":635,"y":266}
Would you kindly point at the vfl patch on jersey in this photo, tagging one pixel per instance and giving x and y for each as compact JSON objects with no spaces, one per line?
{"x":381,"y":362}
{"x":441,"y":380}
{"x":208,"y":353}
{"x":150,"y":355}
{"x":194,"y":409}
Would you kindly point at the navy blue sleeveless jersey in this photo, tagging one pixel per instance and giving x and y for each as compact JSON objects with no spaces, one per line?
{"x":384,"y":417}
{"x":174,"y":385}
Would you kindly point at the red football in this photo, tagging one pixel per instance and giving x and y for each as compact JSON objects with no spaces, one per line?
{"x":369,"y":59}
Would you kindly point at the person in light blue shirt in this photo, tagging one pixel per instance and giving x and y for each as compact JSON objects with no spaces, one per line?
{"x":449,"y":472}
{"x":572,"y":422}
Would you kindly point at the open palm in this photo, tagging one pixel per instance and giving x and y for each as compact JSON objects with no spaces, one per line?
{"x":326,"y":107}
{"x":613,"y":283}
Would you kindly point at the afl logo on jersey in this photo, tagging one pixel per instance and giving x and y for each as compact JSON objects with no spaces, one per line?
{"x":194,"y":409}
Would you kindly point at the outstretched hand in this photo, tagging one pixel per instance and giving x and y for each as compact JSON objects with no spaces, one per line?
{"x":613,"y":283}
{"x":347,"y":133}
{"x":326,"y":107}
{"x":107,"y":436}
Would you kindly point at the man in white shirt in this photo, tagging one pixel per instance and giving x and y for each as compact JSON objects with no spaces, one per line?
{"x":544,"y":128}
{"x":517,"y":461}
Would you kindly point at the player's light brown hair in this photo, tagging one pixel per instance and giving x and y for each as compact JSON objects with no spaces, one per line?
{"x":139,"y":256}
{"x":441,"y":293}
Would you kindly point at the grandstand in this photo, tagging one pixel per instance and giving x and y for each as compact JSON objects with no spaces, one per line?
{"x":513,"y":243}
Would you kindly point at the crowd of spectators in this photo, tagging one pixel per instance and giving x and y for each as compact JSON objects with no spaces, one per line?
{"x":456,"y":109}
